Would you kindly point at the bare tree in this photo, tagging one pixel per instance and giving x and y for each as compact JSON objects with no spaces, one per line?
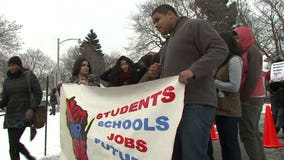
{"x":9,"y":43}
{"x":277,"y":24}
{"x":221,"y":14}
{"x":39,"y":63}
{"x":68,"y":61}
{"x":244,"y":13}
{"x":3,"y":67}
{"x":9,"y":40}
{"x":111,"y":59}
{"x":269,"y":26}
{"x":147,"y":38}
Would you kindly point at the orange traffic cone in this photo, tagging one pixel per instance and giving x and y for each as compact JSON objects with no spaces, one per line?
{"x":270,"y":139}
{"x":214,"y":136}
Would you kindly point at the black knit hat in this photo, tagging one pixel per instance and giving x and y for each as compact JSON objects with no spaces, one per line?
{"x":15,"y":60}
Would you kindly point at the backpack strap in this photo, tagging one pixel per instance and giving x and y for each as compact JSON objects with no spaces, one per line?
{"x":28,"y":78}
{"x":28,"y":75}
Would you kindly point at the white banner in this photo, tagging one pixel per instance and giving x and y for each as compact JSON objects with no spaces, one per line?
{"x":277,"y":72}
{"x":135,"y":122}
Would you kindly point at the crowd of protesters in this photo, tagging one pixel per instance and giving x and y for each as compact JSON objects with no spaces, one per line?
{"x":222,"y":74}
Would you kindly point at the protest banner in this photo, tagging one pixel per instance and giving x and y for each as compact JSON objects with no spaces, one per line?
{"x":135,"y":122}
{"x":277,"y":72}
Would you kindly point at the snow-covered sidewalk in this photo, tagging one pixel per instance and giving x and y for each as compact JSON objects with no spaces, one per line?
{"x":36,"y":147}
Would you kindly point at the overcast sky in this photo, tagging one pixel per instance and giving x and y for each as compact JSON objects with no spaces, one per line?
{"x":46,"y":20}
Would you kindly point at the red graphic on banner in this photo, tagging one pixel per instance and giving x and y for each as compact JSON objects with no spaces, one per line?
{"x":77,"y":122}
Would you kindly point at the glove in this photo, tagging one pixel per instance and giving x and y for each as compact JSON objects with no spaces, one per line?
{"x":29,"y":115}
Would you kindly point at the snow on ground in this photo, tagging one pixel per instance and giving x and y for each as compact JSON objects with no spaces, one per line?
{"x":36,"y":147}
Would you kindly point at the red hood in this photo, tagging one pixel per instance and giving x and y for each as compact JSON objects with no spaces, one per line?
{"x":245,"y":37}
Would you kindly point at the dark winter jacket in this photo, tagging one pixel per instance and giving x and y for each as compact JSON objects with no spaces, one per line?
{"x":16,"y":98}
{"x":53,"y":98}
{"x":112,"y":75}
{"x":277,"y":89}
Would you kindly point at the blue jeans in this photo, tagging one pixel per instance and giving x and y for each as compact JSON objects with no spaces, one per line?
{"x":228,"y":132}
{"x":193,"y":133}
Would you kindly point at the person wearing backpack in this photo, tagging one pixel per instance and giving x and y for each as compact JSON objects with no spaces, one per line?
{"x":16,"y":98}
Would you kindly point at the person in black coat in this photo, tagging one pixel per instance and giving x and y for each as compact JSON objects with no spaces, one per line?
{"x":125,"y":72}
{"x":53,"y":101}
{"x":16,"y":100}
{"x":277,"y":91}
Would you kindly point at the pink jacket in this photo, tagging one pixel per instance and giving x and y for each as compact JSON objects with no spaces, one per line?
{"x":252,"y":84}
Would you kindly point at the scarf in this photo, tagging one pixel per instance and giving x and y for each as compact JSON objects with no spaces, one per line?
{"x":124,"y":76}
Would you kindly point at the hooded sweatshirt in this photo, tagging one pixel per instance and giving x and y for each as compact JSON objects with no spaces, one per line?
{"x":252,"y":85}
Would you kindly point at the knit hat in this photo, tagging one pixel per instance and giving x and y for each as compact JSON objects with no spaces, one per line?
{"x":15,"y":60}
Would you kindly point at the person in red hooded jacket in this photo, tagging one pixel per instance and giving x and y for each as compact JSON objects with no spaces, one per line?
{"x":252,"y":92}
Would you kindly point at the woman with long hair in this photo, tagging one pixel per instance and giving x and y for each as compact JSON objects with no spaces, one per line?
{"x":228,"y":79}
{"x":125,"y":72}
{"x":82,"y":73}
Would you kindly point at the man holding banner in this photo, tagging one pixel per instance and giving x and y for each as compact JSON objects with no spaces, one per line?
{"x":193,"y":51}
